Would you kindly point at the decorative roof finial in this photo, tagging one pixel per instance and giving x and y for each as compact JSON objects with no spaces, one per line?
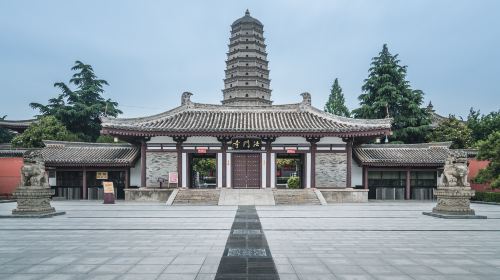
{"x":247,"y":13}
{"x":186,"y":98}
{"x":306,"y":99}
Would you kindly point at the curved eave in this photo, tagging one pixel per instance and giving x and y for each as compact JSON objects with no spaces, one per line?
{"x":402,"y":164}
{"x":89,"y":164}
{"x":152,"y":133}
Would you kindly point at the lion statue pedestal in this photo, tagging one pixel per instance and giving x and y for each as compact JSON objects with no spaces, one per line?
{"x":454,"y":192}
{"x":33,"y":195}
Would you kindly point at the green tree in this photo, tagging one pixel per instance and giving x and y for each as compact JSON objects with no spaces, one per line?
{"x":204,"y":166}
{"x":489,"y":149}
{"x":47,"y":128}
{"x":80,"y":109}
{"x":336,"y":102}
{"x":5,"y":134}
{"x":452,"y":130}
{"x":483,"y":125}
{"x":387,"y":92}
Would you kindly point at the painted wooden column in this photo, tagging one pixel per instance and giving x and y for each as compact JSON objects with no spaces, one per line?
{"x":408,"y":183}
{"x":365,"y":177}
{"x":313,"y":141}
{"x":179,"y":140}
{"x":348,"y":179}
{"x":127,"y":178}
{"x":223,"y":165}
{"x":224,"y":140}
{"x":143,"y":163}
{"x":84,"y":183}
{"x":269,"y":141}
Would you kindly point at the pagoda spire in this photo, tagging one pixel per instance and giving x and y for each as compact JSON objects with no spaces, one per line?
{"x":247,"y":80}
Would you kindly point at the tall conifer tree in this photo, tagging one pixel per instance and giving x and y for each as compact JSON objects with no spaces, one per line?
{"x":336,"y":102}
{"x":388,"y":93}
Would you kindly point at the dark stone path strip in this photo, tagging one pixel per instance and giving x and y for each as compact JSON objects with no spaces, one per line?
{"x":247,"y":255}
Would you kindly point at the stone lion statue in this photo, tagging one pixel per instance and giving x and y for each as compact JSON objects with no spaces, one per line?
{"x":455,"y":171}
{"x":33,"y":170}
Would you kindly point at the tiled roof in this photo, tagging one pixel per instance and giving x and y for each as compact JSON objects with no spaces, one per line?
{"x":17,"y":125}
{"x":426,"y":154}
{"x":61,"y":153}
{"x":11,"y":152}
{"x":291,"y":119}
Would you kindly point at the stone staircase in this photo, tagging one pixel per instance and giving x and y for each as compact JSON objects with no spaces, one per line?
{"x":196,"y":197}
{"x":296,"y":197}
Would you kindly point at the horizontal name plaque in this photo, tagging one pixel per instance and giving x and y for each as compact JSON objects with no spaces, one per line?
{"x":253,"y":143}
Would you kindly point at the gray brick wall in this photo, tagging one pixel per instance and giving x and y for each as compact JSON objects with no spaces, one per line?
{"x":158,"y":164}
{"x":331,"y":170}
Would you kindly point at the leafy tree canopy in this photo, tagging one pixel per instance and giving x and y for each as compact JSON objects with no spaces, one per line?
{"x":483,"y":125}
{"x":47,"y":128}
{"x":204,"y":166}
{"x":5,"y":134}
{"x":489,"y":149}
{"x":387,"y":92}
{"x":452,"y":130}
{"x":336,"y":102}
{"x":79,"y":109}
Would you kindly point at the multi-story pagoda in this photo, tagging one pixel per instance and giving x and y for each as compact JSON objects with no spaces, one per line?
{"x":245,"y":142}
{"x":247,"y":74}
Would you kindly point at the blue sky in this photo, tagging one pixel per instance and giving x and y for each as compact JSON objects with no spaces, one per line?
{"x":152,"y":51}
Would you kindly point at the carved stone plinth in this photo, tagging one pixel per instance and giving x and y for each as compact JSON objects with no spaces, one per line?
{"x":32,"y":200}
{"x":453,"y":201}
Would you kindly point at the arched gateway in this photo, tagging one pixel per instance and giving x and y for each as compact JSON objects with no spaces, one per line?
{"x":246,"y":142}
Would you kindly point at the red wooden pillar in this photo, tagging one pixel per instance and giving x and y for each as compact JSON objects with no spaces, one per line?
{"x":84,"y":184}
{"x":408,"y":183}
{"x":365,"y":177}
{"x":178,"y":147}
{"x":313,"y":141}
{"x":179,"y":140}
{"x":269,"y":140}
{"x":127,"y":178}
{"x":348,"y":180}
{"x":143,"y":163}
{"x":224,"y":164}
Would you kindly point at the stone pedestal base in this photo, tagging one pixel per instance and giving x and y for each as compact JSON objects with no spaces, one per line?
{"x":453,"y":203}
{"x":33,"y":201}
{"x":446,"y":216}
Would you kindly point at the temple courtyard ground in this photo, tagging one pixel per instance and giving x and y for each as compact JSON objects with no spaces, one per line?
{"x":375,"y":240}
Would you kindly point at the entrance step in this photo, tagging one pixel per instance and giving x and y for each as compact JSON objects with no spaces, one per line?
{"x":246,"y":197}
{"x":196,"y":197}
{"x":296,"y":197}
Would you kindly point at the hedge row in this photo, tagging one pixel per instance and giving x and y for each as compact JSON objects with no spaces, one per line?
{"x":487,"y":196}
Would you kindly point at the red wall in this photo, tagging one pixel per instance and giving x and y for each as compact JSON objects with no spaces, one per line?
{"x":474,"y":167}
{"x":10,"y":174}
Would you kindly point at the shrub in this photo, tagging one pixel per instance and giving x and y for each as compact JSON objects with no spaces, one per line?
{"x":293,"y":182}
{"x":487,"y":196}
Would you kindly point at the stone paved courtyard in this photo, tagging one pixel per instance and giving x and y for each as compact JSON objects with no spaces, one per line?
{"x":376,"y":240}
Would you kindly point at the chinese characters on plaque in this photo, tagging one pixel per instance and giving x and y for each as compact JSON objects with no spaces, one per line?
{"x":246,"y":143}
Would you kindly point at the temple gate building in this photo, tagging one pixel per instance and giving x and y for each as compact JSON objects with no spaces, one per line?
{"x":246,"y":142}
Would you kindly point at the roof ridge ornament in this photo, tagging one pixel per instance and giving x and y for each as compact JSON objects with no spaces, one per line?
{"x":186,"y":98}
{"x":306,"y":99}
{"x":247,"y":13}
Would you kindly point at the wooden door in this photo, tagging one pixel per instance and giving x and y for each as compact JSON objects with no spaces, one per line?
{"x":246,"y":171}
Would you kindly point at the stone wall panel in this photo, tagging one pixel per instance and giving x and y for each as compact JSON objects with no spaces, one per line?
{"x":158,"y":164}
{"x":331,"y":170}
